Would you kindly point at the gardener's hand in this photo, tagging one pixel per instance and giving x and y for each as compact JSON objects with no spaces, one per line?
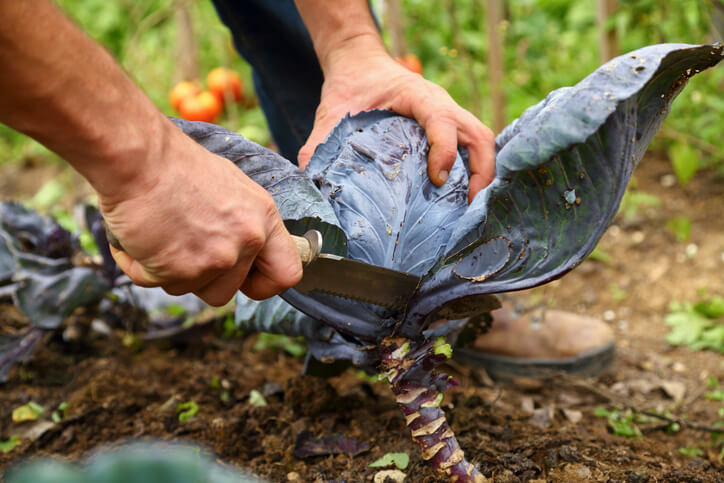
{"x":197,"y":225}
{"x":189,"y":220}
{"x":360,"y":75}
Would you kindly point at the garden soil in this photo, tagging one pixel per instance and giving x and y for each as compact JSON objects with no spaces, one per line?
{"x":522,"y":430}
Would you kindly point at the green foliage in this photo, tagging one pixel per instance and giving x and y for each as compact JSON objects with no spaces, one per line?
{"x":8,"y":445}
{"x":28,"y":412}
{"x":698,"y":326}
{"x":635,"y":201}
{"x":442,"y":347}
{"x":230,"y":328}
{"x":187,"y":410}
{"x":712,"y":308}
{"x":621,"y":422}
{"x":680,"y":227}
{"x":548,"y":44}
{"x":617,"y":293}
{"x":600,"y":255}
{"x":257,"y":399}
{"x":554,"y":43}
{"x":691,"y":451}
{"x":400,"y":460}
{"x":60,"y":413}
{"x":294,"y":346}
{"x":685,"y":160}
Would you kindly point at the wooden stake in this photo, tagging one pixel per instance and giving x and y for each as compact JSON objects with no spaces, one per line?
{"x":494,"y":16}
{"x":396,"y":27}
{"x":188,"y":59}
{"x":608,"y":42}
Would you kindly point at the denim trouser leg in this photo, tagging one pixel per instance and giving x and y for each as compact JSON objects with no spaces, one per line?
{"x":271,"y":37}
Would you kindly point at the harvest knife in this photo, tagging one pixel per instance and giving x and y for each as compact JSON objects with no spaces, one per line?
{"x":343,"y":277}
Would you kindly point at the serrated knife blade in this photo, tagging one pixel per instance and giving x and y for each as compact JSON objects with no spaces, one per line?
{"x":343,"y":277}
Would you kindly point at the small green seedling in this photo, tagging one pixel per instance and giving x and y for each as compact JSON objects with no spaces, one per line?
{"x":294,"y":346}
{"x":60,"y":413}
{"x":10,"y":443}
{"x":400,"y":460}
{"x":685,"y":161}
{"x":256,"y":399}
{"x":698,"y":326}
{"x":600,"y":255}
{"x":691,"y":451}
{"x":187,"y":410}
{"x":680,"y":227}
{"x":622,"y":423}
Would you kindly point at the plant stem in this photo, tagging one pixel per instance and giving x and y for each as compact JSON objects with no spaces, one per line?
{"x":419,"y":392}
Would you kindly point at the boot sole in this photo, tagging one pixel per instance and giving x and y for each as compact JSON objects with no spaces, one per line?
{"x":592,"y":363}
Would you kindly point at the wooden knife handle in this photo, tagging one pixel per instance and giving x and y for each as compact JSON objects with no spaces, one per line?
{"x":309,"y":245}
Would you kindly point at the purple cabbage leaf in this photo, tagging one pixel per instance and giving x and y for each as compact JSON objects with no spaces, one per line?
{"x":561,"y":170}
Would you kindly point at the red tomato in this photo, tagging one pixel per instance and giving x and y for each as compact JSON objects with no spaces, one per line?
{"x":411,"y":62}
{"x":225,"y":84}
{"x":204,"y":107}
{"x":181,"y":91}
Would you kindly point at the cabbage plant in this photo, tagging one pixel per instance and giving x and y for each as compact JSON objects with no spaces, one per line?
{"x":561,"y":171}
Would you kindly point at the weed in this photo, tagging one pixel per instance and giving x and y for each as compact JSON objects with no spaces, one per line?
{"x":680,"y":228}
{"x":634,"y":201}
{"x":60,"y":413}
{"x":292,"y":345}
{"x":187,"y":410}
{"x":257,"y":399}
{"x":10,"y":443}
{"x":599,"y":255}
{"x":697,"y":326}
{"x":400,"y":460}
{"x":621,"y":422}
{"x":691,"y":451}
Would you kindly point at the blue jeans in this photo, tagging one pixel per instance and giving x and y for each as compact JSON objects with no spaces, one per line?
{"x":271,"y":37}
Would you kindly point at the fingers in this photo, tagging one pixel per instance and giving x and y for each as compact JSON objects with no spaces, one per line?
{"x":277,"y":267}
{"x":133,"y":269}
{"x":447,"y":125}
{"x":480,"y":142}
{"x":221,"y":290}
{"x":442,"y":134}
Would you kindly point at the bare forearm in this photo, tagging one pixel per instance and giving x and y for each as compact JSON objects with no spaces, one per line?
{"x":338,"y":27}
{"x":64,"y":90}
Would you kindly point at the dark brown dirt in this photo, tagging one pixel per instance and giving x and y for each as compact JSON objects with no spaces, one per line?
{"x":520,"y":431}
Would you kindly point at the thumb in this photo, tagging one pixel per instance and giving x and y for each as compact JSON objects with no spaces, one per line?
{"x":324,"y":122}
{"x":134,"y":269}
